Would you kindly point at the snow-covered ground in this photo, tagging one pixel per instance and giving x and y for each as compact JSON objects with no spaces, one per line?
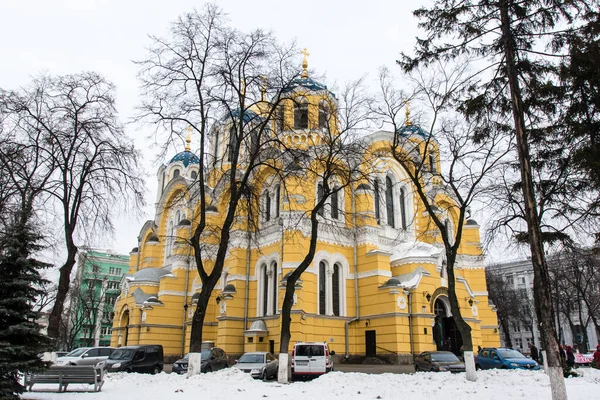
{"x":232,"y":384}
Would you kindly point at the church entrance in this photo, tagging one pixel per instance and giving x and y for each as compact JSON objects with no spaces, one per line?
{"x":124,"y":323}
{"x":445,"y":333}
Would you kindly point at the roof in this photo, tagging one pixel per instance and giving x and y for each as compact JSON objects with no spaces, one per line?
{"x":306,"y":83}
{"x":249,"y":115}
{"x":413,"y":130}
{"x":186,"y":157}
{"x":150,"y":274}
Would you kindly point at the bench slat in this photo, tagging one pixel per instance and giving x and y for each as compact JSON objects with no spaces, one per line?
{"x":64,"y":375}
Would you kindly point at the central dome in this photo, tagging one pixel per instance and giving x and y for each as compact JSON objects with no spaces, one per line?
{"x":186,"y":157}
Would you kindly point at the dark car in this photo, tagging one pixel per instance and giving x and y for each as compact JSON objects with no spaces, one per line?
{"x":489,"y":358}
{"x":259,"y":364}
{"x":143,"y":358}
{"x":212,"y":360}
{"x":438,"y":361}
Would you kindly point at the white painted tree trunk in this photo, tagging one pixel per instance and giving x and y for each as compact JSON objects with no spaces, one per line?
{"x":282,"y":375}
{"x":545,"y":361}
{"x":470,"y":366}
{"x":194,"y":364}
{"x":557,"y":382}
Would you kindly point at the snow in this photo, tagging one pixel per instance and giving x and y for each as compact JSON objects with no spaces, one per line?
{"x":232,"y":384}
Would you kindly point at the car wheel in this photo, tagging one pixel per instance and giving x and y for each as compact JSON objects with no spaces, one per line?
{"x":208,"y":369}
{"x":156,"y":370}
{"x":417,"y":368}
{"x":264,"y":375}
{"x":128,"y":370}
{"x":477,"y":367}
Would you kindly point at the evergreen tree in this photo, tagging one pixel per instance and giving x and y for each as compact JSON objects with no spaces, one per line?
{"x":21,"y":342}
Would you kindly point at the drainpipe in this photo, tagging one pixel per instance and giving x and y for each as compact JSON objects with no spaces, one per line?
{"x":140,"y":328}
{"x":357,"y":317}
{"x":410,"y":326}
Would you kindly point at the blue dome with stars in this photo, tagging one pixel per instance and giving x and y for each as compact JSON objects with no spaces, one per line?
{"x":408,"y":130}
{"x":186,"y":157}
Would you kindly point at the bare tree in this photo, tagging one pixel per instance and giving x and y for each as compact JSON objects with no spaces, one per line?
{"x":225,"y":86}
{"x":468,"y":163}
{"x":89,"y":163}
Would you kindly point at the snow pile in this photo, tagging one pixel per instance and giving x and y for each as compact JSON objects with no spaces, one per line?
{"x":232,"y":384}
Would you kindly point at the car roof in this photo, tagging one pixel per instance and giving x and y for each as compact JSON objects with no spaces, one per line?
{"x":257,"y":352}
{"x":311,"y":343}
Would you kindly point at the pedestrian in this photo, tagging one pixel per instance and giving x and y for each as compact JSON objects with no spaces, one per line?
{"x":533,"y":352}
{"x":596,"y":362}
{"x":478,"y":349}
{"x":570,"y":357}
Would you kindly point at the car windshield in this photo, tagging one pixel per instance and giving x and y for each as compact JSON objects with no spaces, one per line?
{"x":205,"y":354}
{"x":77,"y":352}
{"x":509,"y":353}
{"x":444,"y":357}
{"x":187,"y":356}
{"x":252,"y":358}
{"x":122,"y":354}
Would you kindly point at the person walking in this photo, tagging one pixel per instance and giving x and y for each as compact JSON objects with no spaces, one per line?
{"x":570,"y":357}
{"x":533,"y":352}
{"x":596,"y":362}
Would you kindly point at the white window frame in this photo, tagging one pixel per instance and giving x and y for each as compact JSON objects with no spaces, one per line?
{"x":330,"y":262}
{"x":272,"y":277}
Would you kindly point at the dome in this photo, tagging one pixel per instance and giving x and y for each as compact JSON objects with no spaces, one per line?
{"x":134,"y":250}
{"x":363,"y":186}
{"x":186,"y":157}
{"x":471,"y":222}
{"x":249,"y":115}
{"x":211,"y":208}
{"x":412,"y":130}
{"x":152,"y":239}
{"x":184,"y":222}
{"x":392,"y":282}
{"x":306,"y":83}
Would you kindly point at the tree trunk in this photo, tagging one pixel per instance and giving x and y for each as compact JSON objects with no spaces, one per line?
{"x":198,"y":318}
{"x":62,"y":290}
{"x":463,"y":327}
{"x":541,"y":280}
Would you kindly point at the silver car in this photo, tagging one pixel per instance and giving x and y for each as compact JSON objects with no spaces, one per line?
{"x":85,"y":356}
{"x":259,"y":364}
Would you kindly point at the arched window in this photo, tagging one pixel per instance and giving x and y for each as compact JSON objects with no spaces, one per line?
{"x":322,"y":288}
{"x":277,"y":200}
{"x":193,"y":174}
{"x":377,"y":201}
{"x":432,"y":161}
{"x":335,"y":289}
{"x":323,"y":114}
{"x":267,"y":200}
{"x":301,"y":115}
{"x":280,"y":119}
{"x":403,"y":220}
{"x":170,"y":239}
{"x":389,"y":201}
{"x":335,"y":206}
{"x":320,"y":194}
{"x":267,"y":290}
{"x":233,"y":143}
{"x":175,"y":173}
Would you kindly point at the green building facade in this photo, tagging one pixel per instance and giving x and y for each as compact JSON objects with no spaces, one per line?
{"x":94,"y":293}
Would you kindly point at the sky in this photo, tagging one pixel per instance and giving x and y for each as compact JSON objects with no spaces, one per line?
{"x":232,"y":384}
{"x":346,"y":40}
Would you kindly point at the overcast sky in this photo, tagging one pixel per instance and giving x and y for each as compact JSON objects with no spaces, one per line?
{"x":345,"y":39}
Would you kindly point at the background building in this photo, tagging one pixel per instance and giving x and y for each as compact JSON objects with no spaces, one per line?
{"x":93,"y":296}
{"x":571,"y":289}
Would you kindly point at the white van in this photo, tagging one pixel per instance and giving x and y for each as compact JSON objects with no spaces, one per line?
{"x":311,"y":359}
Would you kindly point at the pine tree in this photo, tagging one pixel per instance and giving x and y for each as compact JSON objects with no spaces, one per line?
{"x":21,"y":342}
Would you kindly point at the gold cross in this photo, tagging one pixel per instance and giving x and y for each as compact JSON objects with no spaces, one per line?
{"x":305,"y":62}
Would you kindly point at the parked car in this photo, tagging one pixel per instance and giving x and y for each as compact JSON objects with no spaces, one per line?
{"x":438,"y":361}
{"x":212,"y":360}
{"x":503,"y":358}
{"x":143,"y":358}
{"x":311,"y":359}
{"x":259,"y":364}
{"x":85,"y":356}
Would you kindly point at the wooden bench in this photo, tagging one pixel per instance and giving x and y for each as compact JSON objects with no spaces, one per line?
{"x":66,"y":374}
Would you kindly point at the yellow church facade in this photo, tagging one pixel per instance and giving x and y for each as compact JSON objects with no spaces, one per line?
{"x":377,"y":285}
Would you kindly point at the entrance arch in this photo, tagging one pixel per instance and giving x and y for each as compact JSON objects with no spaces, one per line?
{"x":445,"y":333}
{"x":124,"y":323}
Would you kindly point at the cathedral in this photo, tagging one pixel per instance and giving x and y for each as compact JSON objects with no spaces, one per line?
{"x":377,"y":285}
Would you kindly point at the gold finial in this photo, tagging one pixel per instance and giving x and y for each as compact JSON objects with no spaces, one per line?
{"x":305,"y":63}
{"x":407,"y":113}
{"x":189,"y":139}
{"x":263,"y":89}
